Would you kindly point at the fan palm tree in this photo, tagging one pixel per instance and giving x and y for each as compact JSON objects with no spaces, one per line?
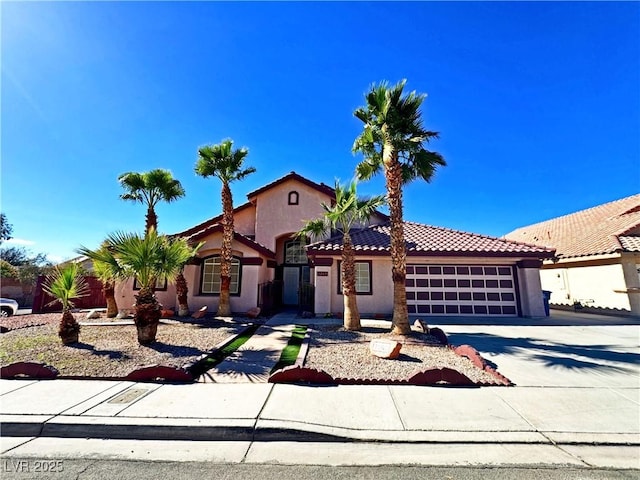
{"x":393,"y":141}
{"x":104,"y":273}
{"x":146,"y":258}
{"x":345,"y":214}
{"x":66,"y":284}
{"x":225,"y":163}
{"x":149,"y":188}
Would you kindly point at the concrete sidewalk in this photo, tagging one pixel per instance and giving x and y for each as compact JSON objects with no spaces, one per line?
{"x":34,"y":412}
{"x":577,"y":403}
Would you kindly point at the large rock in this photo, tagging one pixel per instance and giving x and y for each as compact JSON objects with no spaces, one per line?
{"x":200,"y":313}
{"x":253,"y":312}
{"x":421,"y":326}
{"x":385,"y":348}
{"x":93,"y":314}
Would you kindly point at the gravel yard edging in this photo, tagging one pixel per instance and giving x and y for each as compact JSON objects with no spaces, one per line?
{"x":443,"y":376}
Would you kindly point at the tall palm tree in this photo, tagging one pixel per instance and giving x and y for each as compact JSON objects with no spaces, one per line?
{"x":345,"y":214}
{"x":225,"y":163}
{"x":146,"y":258}
{"x":149,"y":188}
{"x":393,"y":140}
{"x":66,"y":284}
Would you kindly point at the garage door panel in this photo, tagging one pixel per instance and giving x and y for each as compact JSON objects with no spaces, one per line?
{"x":461,"y":290}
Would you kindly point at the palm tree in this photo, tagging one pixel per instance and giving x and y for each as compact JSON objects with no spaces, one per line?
{"x":146,"y":258}
{"x":225,"y":163}
{"x":149,"y":188}
{"x":345,"y":214}
{"x":65,"y":284}
{"x":104,"y":273}
{"x":393,"y":140}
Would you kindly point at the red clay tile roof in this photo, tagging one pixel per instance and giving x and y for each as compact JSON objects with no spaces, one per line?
{"x":209,"y":223}
{"x":237,"y":236}
{"x":630,"y":243}
{"x":429,"y":240}
{"x":608,"y":228}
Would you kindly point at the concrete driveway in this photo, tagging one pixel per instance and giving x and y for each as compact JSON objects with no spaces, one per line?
{"x":566,"y":349}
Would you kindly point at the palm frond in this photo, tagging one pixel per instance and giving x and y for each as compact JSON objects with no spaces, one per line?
{"x":66,"y":284}
{"x":223,"y":162}
{"x":128,"y":255}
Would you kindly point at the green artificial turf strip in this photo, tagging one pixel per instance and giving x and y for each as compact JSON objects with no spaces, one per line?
{"x":218,"y":356}
{"x":290,"y":352}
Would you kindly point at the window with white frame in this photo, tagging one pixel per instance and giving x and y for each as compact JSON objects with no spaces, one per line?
{"x":210,"y":276}
{"x":363,"y":278}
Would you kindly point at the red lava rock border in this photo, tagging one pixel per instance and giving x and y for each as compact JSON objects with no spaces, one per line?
{"x":472,"y":354}
{"x":42,"y":371}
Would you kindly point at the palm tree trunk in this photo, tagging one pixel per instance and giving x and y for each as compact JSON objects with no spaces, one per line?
{"x":109,"y":289}
{"x":147,"y":316}
{"x":351,"y":313}
{"x":182,"y":291}
{"x":69,"y":329}
{"x":224,"y":305}
{"x":151,"y":220}
{"x":393,"y":177}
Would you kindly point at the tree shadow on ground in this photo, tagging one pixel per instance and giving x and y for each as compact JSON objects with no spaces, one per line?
{"x":552,"y":354}
{"x":176,"y":350}
{"x":112,"y":354}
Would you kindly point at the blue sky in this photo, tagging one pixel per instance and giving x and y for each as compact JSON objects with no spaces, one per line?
{"x":537,"y":105}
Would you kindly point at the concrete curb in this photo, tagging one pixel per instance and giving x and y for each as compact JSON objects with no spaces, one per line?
{"x":195,"y":429}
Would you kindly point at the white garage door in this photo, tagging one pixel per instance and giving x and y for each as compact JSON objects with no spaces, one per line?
{"x":461,"y":290}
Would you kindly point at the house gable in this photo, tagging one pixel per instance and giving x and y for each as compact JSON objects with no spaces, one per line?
{"x":283,"y":207}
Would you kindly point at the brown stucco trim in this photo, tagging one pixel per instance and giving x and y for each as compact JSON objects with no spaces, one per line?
{"x":251,"y":261}
{"x":529,"y":263}
{"x":209,"y":223}
{"x":264,"y":251}
{"x":320,"y":187}
{"x":450,"y":253}
{"x":322,"y":262}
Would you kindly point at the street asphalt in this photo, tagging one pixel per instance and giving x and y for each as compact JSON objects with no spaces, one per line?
{"x":575,"y":403}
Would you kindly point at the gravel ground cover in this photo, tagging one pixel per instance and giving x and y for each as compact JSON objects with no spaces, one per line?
{"x":345,"y":354}
{"x":111,"y":350}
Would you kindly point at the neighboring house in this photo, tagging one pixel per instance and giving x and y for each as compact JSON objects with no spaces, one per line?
{"x":449,"y":272}
{"x":597,"y":262}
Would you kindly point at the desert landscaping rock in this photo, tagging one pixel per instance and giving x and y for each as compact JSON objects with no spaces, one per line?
{"x":200,"y":313}
{"x":108,"y":349}
{"x":384,"y":348}
{"x":345,"y":354}
{"x":113,"y":350}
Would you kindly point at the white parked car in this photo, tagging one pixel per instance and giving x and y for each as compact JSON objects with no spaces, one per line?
{"x":8,"y":307}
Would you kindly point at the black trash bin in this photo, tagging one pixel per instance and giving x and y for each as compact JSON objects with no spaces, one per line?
{"x":546,"y":296}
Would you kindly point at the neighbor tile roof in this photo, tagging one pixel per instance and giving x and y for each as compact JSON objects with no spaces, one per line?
{"x":429,"y":240}
{"x":608,"y":228}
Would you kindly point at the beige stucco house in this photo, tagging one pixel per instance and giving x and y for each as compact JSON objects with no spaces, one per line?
{"x":597,"y":261}
{"x":449,"y":272}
